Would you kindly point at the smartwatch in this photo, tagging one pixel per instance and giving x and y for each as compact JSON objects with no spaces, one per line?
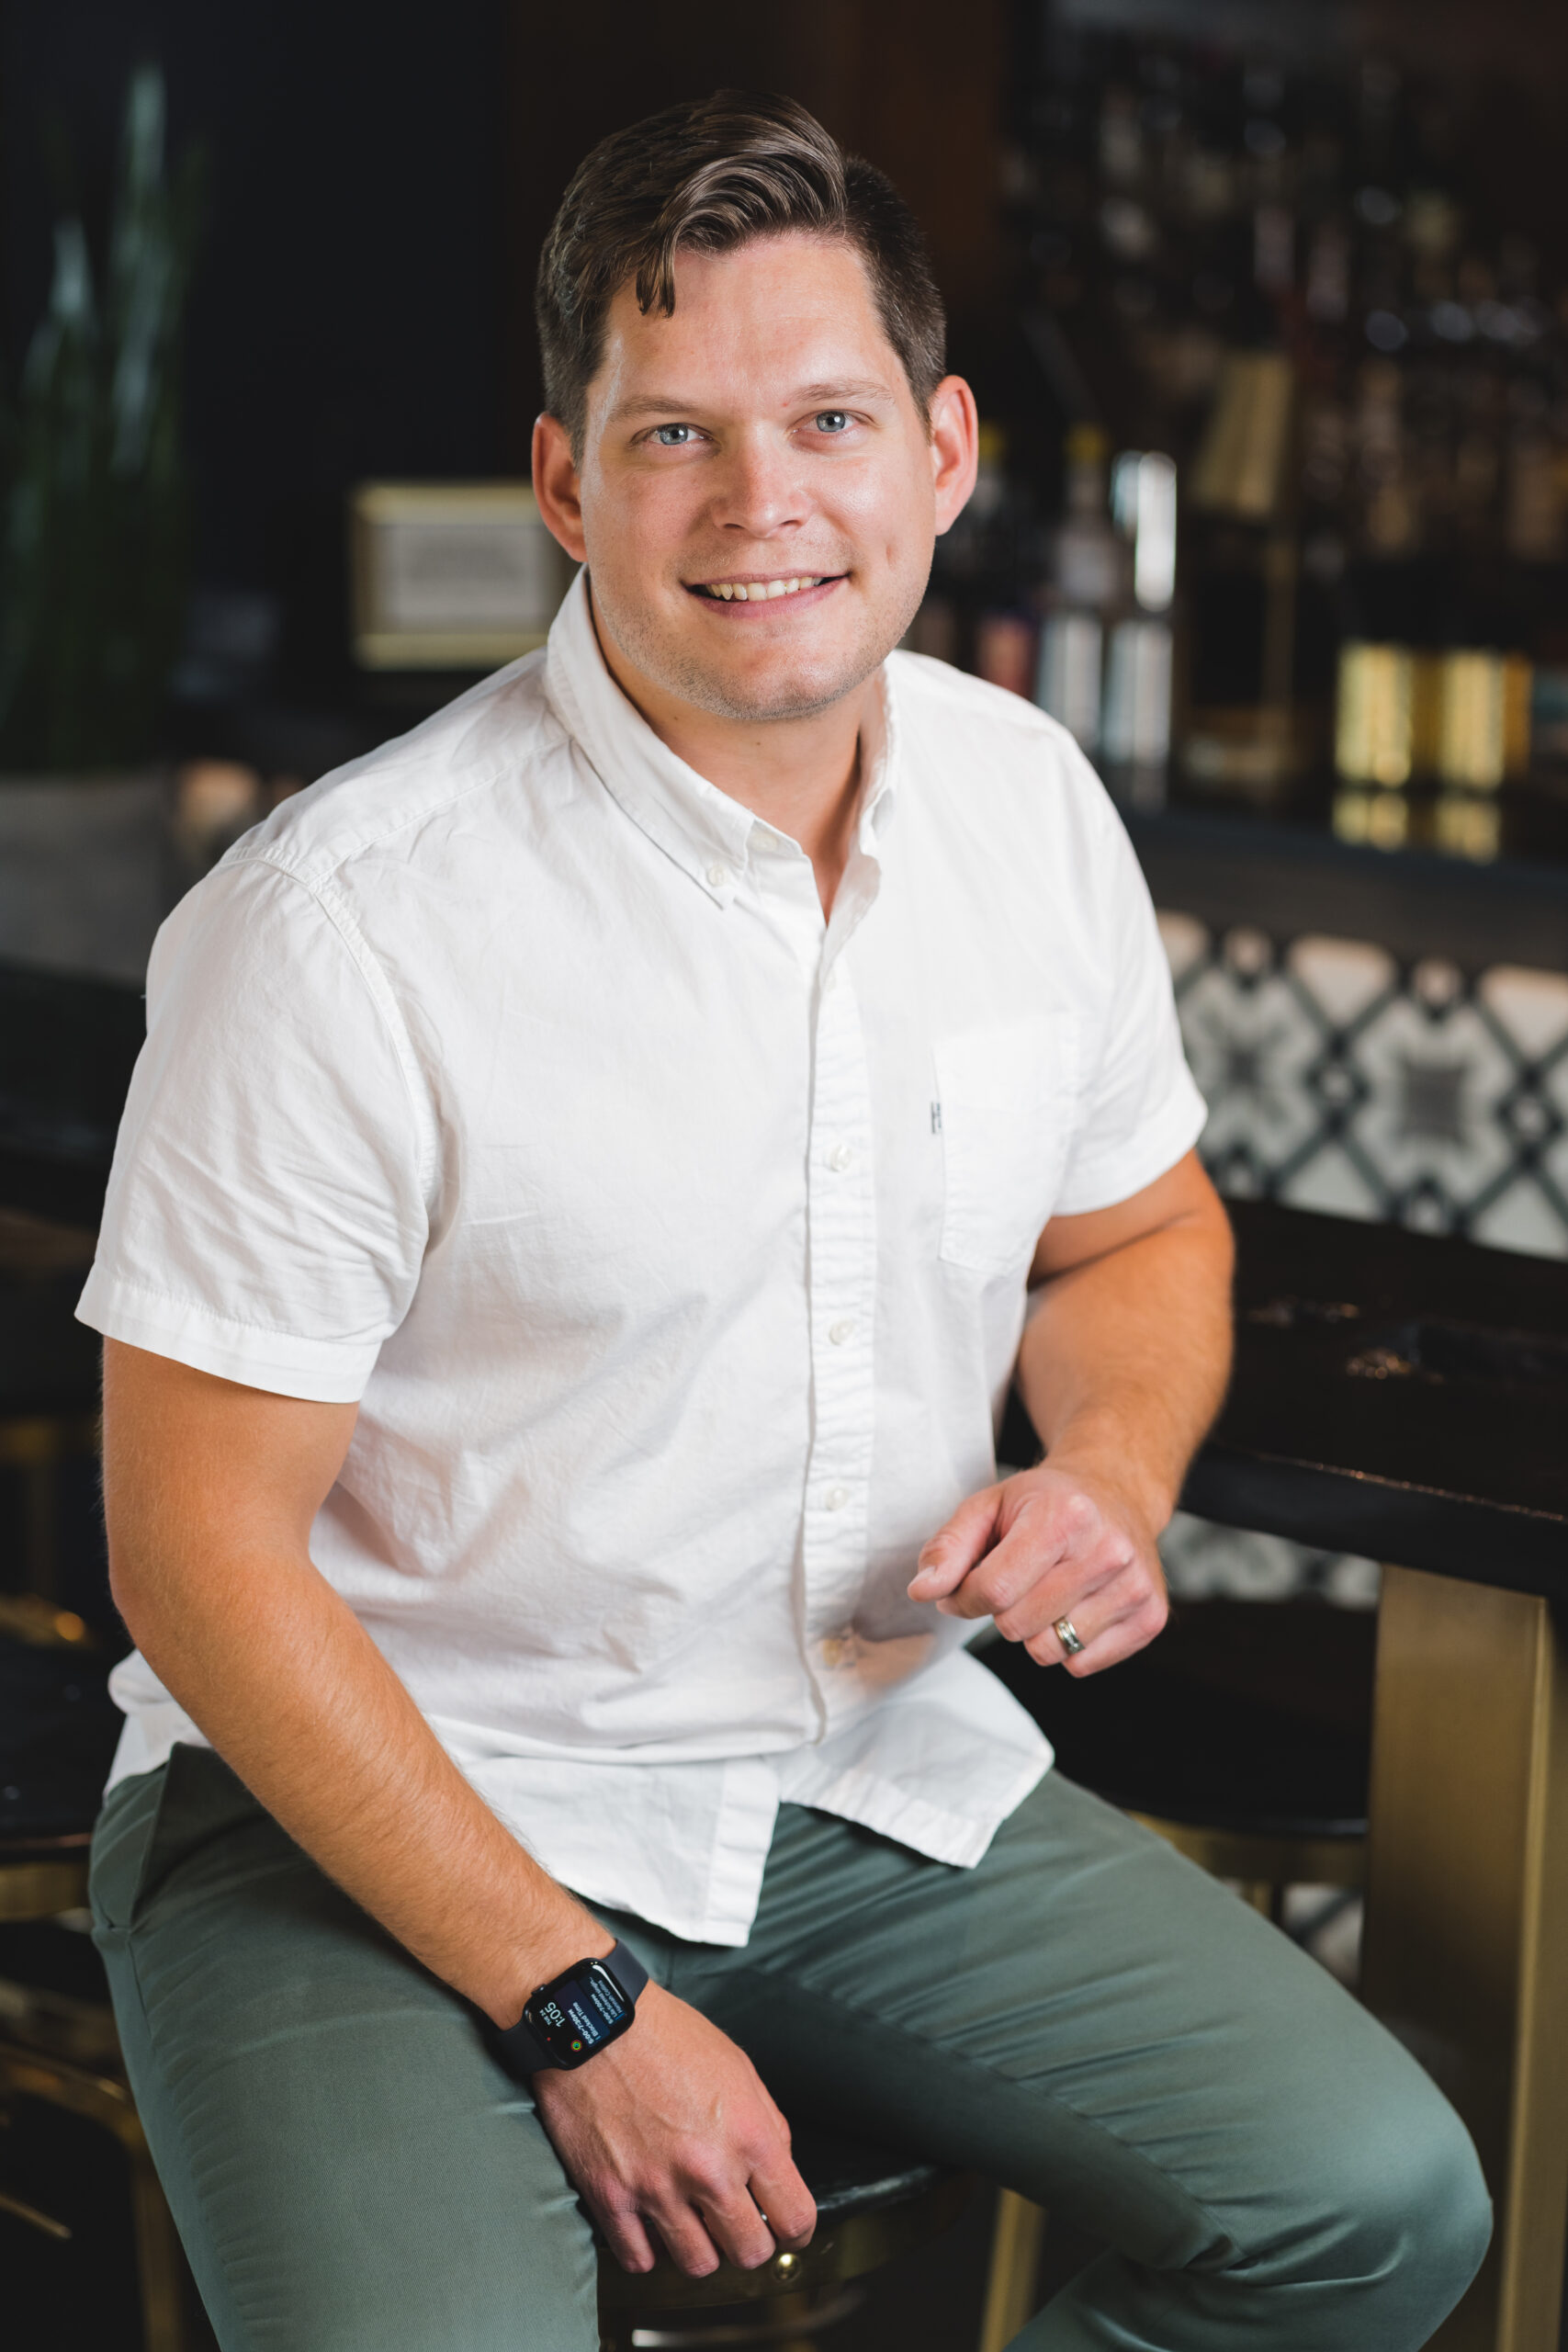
{"x":576,"y":2015}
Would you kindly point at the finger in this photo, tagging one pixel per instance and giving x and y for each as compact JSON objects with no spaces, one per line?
{"x":952,"y":1551}
{"x":626,"y":2238}
{"x":1093,"y":1606}
{"x":740,"y":2231}
{"x":1121,"y":1638}
{"x":1047,"y":1533}
{"x":685,"y":2240}
{"x":788,"y":2204}
{"x":1111,"y":1582}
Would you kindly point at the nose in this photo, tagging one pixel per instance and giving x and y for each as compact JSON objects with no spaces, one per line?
{"x":759,"y":491}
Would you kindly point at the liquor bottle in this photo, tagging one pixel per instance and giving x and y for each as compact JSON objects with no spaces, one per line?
{"x":1088,"y":564}
{"x":1286,"y":283}
{"x":1238,"y":571}
{"x":1384,"y":726}
{"x":978,"y":610}
{"x":1136,"y":724}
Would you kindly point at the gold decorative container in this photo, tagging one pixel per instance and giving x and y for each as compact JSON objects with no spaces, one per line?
{"x":1518,"y":694}
{"x":1471,"y":703}
{"x":1375,"y":715}
{"x":1373,"y":816}
{"x":1468,"y":825}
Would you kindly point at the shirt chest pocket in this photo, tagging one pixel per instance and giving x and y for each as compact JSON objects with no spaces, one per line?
{"x":1006,"y":1096}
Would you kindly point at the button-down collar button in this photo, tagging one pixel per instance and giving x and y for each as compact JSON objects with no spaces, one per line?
{"x":835,"y":1499}
{"x":841,"y":1330}
{"x":718,"y":876}
{"x":841,"y":1157}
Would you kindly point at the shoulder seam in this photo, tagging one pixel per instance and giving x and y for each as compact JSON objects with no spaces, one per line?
{"x":313,"y":875}
{"x":337,"y":912}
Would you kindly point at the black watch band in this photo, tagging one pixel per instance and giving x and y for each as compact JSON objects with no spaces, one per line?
{"x":576,"y":2015}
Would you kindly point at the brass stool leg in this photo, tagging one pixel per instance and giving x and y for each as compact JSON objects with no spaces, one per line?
{"x":782,"y":2323}
{"x":1467,"y":1912}
{"x":160,"y":2271}
{"x":1015,"y":2266}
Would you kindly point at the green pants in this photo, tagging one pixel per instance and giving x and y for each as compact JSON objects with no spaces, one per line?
{"x":1084,"y":2018}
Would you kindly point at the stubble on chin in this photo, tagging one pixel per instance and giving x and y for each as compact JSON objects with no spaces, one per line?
{"x":792,"y":690}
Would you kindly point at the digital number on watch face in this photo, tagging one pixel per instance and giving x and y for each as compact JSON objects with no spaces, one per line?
{"x":578,"y":2013}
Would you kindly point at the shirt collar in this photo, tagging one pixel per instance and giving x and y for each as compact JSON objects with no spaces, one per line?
{"x":705,"y":832}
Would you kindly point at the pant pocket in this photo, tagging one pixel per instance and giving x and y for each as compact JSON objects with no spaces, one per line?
{"x":153,"y":1823}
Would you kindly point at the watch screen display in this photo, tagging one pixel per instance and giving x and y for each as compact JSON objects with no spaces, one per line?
{"x":578,"y":2013}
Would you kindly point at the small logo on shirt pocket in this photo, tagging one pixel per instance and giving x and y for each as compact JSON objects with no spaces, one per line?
{"x":1004,"y":1111}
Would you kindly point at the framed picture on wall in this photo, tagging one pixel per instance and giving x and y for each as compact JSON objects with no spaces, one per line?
{"x":451,"y":575}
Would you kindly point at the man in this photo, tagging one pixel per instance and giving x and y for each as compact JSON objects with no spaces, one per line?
{"x":594,"y":1169}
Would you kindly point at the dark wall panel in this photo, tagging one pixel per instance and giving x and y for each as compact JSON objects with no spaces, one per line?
{"x":348,"y":313}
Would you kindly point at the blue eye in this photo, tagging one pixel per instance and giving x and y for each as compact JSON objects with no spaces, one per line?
{"x":833,"y":420}
{"x":665,"y":436}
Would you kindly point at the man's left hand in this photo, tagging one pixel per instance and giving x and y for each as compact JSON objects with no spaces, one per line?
{"x":1050,"y":1543}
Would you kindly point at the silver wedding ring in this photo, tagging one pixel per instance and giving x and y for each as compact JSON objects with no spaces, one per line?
{"x":1066,"y":1634}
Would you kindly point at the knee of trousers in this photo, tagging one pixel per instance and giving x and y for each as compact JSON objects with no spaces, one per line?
{"x":1394,"y":2216}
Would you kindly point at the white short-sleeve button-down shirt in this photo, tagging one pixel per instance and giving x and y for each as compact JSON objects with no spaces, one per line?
{"x":672,"y":1241}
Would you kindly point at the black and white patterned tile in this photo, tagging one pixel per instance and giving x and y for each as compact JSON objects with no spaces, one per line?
{"x":1340,"y":1080}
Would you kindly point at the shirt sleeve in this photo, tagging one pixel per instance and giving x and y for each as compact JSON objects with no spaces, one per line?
{"x":1140,"y":1111}
{"x":266,"y":1211}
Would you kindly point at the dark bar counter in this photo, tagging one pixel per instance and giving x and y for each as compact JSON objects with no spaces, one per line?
{"x":1289,"y":876}
{"x":1397,"y":1395}
{"x":1406,"y":1394}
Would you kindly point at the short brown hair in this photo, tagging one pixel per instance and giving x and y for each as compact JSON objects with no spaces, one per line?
{"x":710,"y":176}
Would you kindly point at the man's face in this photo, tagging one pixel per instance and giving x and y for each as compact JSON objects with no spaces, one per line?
{"x":758,"y":494}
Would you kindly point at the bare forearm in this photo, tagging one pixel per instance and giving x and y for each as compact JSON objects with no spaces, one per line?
{"x":1123,"y":1366}
{"x":210,"y":1490}
{"x":282,"y":1679}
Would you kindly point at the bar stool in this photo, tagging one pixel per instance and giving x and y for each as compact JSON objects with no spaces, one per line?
{"x":871,"y":2206}
{"x":1243,"y":1735}
{"x":57,"y":1732}
{"x":58,"y":1729}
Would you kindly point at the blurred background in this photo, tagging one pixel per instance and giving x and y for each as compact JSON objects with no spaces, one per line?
{"x":1313,"y":255}
{"x":1266,"y":306}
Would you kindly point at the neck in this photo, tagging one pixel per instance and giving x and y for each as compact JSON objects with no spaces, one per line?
{"x":800,"y":775}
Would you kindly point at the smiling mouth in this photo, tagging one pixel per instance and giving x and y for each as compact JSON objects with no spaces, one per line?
{"x":757,"y":592}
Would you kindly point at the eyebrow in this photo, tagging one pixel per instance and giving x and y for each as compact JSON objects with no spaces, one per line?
{"x":659,"y":404}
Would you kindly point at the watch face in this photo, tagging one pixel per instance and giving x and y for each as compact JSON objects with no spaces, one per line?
{"x":577,"y":2013}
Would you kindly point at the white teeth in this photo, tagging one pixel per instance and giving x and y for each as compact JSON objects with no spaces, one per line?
{"x":757,"y":592}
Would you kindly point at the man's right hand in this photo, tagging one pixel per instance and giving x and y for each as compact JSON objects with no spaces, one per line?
{"x":211,"y":1491}
{"x":672,"y":2128}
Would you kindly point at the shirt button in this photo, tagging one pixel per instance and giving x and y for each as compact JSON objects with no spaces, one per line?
{"x":835,"y":1499}
{"x":837,"y":1649}
{"x":841,"y":1157}
{"x":841,"y":1331}
{"x":718,"y":875}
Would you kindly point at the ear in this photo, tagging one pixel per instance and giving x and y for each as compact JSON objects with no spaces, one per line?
{"x":954,"y":447}
{"x":556,"y":486}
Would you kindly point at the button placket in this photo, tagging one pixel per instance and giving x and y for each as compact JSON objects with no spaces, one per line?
{"x":841,"y":1209}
